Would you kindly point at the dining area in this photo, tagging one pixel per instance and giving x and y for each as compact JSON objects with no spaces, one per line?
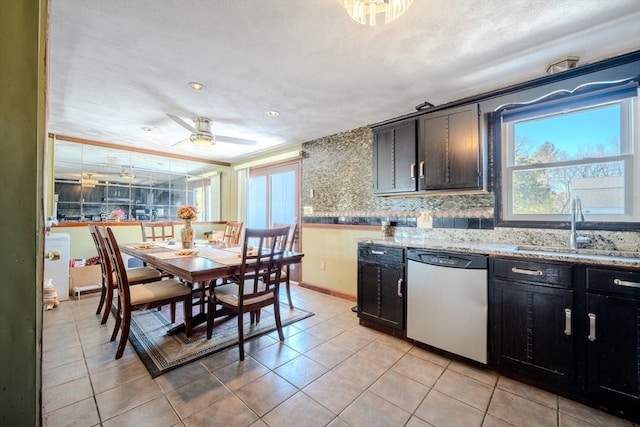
{"x":194,"y":289}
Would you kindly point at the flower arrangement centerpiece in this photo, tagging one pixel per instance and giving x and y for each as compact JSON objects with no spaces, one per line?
{"x":118,"y":214}
{"x":188,"y":214}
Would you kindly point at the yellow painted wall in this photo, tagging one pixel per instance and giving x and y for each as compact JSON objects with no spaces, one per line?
{"x":337,"y":249}
{"x":82,"y":245}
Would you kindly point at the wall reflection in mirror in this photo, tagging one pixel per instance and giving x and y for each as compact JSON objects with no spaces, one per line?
{"x":91,"y":182}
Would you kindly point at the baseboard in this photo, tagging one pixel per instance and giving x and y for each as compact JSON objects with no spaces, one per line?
{"x":326,"y":291}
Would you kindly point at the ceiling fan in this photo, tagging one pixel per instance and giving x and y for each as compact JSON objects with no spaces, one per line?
{"x":201,"y":133}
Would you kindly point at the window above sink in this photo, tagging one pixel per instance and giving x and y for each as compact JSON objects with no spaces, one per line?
{"x":585,"y":143}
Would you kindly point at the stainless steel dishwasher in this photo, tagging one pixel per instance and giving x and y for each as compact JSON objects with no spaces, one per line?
{"x":447,"y":302}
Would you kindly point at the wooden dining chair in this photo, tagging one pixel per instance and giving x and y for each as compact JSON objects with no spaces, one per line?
{"x":136,"y":275}
{"x":141,"y":297}
{"x":258,"y":283}
{"x":157,"y":231}
{"x":232,"y":232}
{"x":292,"y":238}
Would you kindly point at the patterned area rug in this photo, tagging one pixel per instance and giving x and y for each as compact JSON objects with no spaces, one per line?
{"x":161,"y":353}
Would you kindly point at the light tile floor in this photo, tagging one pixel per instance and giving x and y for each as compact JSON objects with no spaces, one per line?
{"x":329,"y":371}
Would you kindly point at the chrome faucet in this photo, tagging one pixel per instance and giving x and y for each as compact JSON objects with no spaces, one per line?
{"x":576,"y":216}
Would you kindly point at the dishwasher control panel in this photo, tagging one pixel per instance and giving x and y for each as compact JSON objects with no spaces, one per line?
{"x":447,"y":259}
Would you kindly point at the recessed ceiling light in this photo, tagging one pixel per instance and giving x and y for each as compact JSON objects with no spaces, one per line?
{"x":146,"y":128}
{"x":196,"y":85}
{"x":273,"y":113}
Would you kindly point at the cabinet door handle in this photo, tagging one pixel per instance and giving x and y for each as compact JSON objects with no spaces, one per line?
{"x":592,"y":327}
{"x":527,"y":272}
{"x":619,"y":282}
{"x":422,"y":169}
{"x":400,"y":288}
{"x":412,"y":171}
{"x":567,"y":321}
{"x":377,"y":252}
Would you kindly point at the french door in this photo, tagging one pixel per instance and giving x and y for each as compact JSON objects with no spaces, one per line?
{"x":273,"y":195}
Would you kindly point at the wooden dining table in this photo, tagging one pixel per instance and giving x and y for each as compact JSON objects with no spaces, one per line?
{"x":199,"y":270}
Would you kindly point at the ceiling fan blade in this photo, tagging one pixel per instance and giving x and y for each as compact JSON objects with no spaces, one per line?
{"x":181,"y":142}
{"x":182,"y":123}
{"x":232,"y":140}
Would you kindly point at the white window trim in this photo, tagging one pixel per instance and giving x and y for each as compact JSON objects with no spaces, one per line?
{"x":630,"y":115}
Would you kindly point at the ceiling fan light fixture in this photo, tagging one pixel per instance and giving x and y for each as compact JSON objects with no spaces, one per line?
{"x":364,"y":11}
{"x":127,"y":174}
{"x":273,"y":113}
{"x":202,"y":139}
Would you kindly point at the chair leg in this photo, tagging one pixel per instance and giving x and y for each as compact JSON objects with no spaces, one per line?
{"x":103,"y":294}
{"x":288,"y":286}
{"x":241,"y":335}
{"x":124,"y":336}
{"x":211,"y":309}
{"x":116,"y":327}
{"x":276,"y":313}
{"x":188,"y":312}
{"x":108,"y":302}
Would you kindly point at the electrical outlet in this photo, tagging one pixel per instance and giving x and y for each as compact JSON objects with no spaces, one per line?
{"x":322,"y":265}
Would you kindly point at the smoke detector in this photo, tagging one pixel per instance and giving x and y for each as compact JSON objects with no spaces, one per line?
{"x":564,"y":64}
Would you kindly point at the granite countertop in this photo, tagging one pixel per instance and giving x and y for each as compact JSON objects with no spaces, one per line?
{"x":579,"y":256}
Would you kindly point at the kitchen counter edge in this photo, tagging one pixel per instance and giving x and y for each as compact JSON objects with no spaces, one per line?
{"x":506,"y":250}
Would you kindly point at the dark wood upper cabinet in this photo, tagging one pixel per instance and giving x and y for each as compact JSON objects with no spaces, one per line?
{"x":394,"y":158}
{"x":449,"y":150}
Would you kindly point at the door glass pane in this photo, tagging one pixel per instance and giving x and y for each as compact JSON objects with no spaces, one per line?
{"x":283,"y":197}
{"x":257,"y":202}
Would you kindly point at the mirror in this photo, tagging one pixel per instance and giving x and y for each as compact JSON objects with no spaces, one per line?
{"x":91,"y":182}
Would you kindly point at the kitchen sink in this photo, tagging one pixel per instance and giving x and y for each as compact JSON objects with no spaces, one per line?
{"x":581,"y":251}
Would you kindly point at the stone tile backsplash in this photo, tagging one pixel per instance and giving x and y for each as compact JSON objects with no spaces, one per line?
{"x":337,"y":189}
{"x":337,"y":176}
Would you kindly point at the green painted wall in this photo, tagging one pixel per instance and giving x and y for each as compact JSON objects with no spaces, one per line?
{"x":22,"y":139}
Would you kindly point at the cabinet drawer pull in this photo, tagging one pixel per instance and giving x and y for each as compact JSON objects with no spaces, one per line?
{"x":400,"y":288}
{"x":592,"y":327}
{"x":527,"y":272}
{"x":626,"y":283}
{"x":413,"y":169}
{"x":377,"y":252}
{"x":422,"y":169}
{"x":567,"y":321}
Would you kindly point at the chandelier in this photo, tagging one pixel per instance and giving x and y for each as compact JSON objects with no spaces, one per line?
{"x":88,"y":182}
{"x":365,"y":11}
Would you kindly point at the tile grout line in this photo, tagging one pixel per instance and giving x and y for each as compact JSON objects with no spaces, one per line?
{"x":84,"y":358}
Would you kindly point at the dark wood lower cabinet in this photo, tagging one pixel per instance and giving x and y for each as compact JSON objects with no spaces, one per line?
{"x":572,"y":329}
{"x":381,"y":286}
{"x":532,"y":331}
{"x":613,"y":352}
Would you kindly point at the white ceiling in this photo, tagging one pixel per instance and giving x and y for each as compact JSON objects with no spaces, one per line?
{"x":116,"y":66}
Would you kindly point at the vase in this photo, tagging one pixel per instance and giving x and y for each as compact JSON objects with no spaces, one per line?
{"x":187,"y":235}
